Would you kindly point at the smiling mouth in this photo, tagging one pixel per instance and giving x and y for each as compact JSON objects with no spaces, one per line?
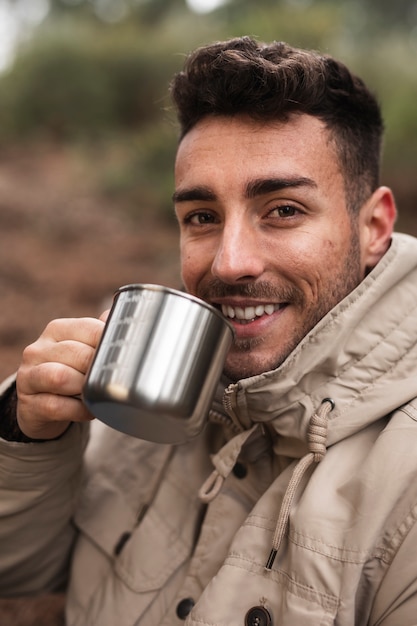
{"x":245,"y":315}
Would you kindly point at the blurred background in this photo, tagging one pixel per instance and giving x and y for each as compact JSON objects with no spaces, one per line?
{"x":87,"y":138}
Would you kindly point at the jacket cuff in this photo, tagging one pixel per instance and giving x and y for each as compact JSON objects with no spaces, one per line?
{"x":9,"y":428}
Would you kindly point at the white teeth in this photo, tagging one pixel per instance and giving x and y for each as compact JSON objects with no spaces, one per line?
{"x":249,"y":312}
{"x":240,"y":313}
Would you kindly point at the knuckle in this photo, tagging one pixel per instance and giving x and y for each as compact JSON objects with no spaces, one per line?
{"x":59,"y":376}
{"x":51,"y":327}
{"x":52,"y":405}
{"x":30,"y":353}
{"x":85,"y":356}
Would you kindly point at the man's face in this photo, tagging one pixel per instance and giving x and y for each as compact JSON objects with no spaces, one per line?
{"x":265,"y":233}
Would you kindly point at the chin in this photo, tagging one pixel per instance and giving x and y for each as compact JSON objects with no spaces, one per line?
{"x":246,"y":368}
{"x":245,"y":363}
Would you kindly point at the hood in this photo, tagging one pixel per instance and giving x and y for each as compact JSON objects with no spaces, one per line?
{"x":362,"y":355}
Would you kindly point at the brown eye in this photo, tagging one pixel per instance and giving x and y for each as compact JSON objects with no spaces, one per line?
{"x":200,"y":218}
{"x":286,"y":211}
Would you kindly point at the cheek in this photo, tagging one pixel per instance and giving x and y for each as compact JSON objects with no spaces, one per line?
{"x":303,"y":255}
{"x":318,"y":253}
{"x":192,"y":266}
{"x":309,"y":263}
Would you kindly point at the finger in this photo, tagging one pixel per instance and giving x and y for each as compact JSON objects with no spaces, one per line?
{"x":72,"y":354}
{"x":48,"y":407}
{"x":67,"y":341}
{"x":87,"y":330}
{"x":103,"y":317}
{"x":47,"y":416}
{"x":55,"y":378}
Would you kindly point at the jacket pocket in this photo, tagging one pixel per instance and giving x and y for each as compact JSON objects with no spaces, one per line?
{"x":287,"y":600}
{"x":154,"y":548}
{"x":153,"y":553}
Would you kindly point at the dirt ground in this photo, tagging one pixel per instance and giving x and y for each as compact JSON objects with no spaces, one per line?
{"x":64,"y":249}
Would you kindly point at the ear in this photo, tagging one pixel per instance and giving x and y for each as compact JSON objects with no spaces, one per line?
{"x":376,"y":223}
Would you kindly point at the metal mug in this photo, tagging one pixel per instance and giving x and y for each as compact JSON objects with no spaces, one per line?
{"x":156,"y":368}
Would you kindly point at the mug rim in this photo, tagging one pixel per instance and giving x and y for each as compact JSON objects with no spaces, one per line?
{"x":175,"y":292}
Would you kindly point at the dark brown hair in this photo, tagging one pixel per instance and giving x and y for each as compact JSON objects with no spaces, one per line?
{"x":275,"y":81}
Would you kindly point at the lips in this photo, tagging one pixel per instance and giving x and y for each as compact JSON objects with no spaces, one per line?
{"x":249,"y":313}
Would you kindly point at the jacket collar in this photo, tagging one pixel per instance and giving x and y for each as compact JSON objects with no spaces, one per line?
{"x":362,"y":354}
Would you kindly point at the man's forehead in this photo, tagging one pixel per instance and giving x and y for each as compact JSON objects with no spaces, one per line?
{"x":297,"y":148}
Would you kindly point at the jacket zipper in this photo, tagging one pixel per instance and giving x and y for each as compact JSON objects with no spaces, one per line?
{"x":229,"y":406}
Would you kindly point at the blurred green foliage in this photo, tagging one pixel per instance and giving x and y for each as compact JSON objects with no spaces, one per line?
{"x":71,"y":82}
{"x":86,"y":77}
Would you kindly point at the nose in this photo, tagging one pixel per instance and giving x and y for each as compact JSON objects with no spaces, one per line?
{"x":239,"y":256}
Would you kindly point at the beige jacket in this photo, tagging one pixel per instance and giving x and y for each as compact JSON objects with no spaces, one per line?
{"x":329,"y":487}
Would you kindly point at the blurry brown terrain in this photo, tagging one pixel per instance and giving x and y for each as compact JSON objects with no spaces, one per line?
{"x":65,"y":249}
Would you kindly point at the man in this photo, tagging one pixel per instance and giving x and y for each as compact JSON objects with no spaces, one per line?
{"x":298,"y":503}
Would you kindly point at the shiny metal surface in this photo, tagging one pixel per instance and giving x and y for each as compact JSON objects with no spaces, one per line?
{"x":155,"y":371}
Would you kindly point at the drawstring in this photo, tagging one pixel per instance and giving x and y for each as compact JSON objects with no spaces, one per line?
{"x":316,"y":440}
{"x":224,"y":461}
{"x":226,"y":458}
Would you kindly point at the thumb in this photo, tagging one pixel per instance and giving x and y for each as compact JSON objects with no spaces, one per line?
{"x":103,"y":317}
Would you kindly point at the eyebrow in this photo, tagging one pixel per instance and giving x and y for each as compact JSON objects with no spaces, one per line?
{"x":194,"y":193}
{"x":254,"y":188}
{"x":262,"y":186}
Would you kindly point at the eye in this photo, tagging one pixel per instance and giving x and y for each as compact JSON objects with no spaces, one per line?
{"x":200,"y":218}
{"x":285,"y":210}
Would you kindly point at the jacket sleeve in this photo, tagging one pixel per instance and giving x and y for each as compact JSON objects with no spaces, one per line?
{"x":396,"y":601}
{"x":39,"y":484}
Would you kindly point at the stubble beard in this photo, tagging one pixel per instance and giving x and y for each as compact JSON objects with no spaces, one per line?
{"x":338,"y":286}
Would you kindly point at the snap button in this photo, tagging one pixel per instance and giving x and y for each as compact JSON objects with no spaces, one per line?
{"x":239,"y":470}
{"x":258,"y":616}
{"x":184,"y":607}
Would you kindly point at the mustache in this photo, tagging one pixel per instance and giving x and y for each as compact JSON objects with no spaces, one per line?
{"x":215,"y":288}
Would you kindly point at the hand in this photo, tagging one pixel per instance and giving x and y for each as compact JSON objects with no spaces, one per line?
{"x":51,"y":376}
